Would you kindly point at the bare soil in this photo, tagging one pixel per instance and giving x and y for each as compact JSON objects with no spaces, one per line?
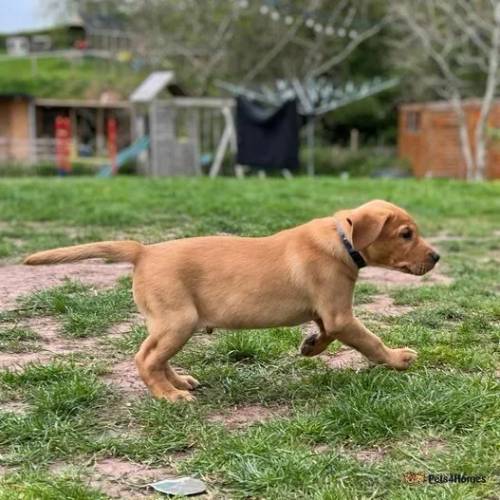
{"x":16,"y":280}
{"x":15,"y":361}
{"x":386,"y":277}
{"x":369,"y":455}
{"x":17,"y":407}
{"x":384,"y":305}
{"x":125,"y":379}
{"x":123,"y":479}
{"x":243,"y":416}
{"x":345,"y":359}
{"x":432,"y":446}
{"x":119,"y":478}
{"x":51,"y":343}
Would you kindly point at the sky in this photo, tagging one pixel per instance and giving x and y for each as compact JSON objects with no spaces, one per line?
{"x":26,"y":15}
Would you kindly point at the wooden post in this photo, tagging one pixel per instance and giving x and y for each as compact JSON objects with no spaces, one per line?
{"x":34,"y":66}
{"x":193,"y":126}
{"x":310,"y":146}
{"x":74,"y":130}
{"x":354,"y":140}
{"x":99,"y":127}
{"x":228,"y":139}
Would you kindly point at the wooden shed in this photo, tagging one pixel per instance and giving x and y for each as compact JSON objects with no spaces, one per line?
{"x":27,"y":128}
{"x":428,"y":137}
{"x":16,"y":126}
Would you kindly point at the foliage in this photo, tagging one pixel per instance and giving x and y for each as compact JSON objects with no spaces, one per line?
{"x":62,"y":78}
{"x":366,"y":162}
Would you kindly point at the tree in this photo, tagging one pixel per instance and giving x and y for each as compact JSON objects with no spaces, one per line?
{"x":245,"y":41}
{"x":452,"y":47}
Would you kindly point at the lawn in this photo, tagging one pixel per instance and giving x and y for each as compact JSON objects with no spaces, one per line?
{"x":76,"y":424}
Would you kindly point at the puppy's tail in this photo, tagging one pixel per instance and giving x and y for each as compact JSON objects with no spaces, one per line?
{"x":117,"y":251}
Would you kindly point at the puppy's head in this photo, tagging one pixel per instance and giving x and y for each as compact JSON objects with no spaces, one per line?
{"x":387,"y":236}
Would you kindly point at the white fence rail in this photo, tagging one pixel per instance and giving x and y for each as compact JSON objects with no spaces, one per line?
{"x":27,"y":151}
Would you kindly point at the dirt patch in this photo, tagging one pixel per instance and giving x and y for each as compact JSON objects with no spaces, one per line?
{"x":6,"y":470}
{"x":19,"y":360}
{"x":124,"y":378}
{"x":48,"y":329}
{"x":387,"y":278}
{"x":345,"y":359}
{"x":50,"y":344}
{"x":432,"y":446}
{"x":16,"y":407}
{"x":16,"y":280}
{"x":243,"y":416}
{"x":384,"y":305}
{"x":321,"y":448}
{"x":116,"y":468}
{"x":127,"y":480}
{"x":118,"y":478}
{"x":369,"y":455}
{"x":118,"y":329}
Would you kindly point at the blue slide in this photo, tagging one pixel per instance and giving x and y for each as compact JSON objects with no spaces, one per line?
{"x":126,"y":154}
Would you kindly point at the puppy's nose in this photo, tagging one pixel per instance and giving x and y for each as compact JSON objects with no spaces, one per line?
{"x":435,"y":256}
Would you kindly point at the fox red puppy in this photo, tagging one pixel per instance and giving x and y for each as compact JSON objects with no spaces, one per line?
{"x":296,"y":275}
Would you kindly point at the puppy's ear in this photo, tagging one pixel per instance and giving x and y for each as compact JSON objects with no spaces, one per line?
{"x":365,"y":226}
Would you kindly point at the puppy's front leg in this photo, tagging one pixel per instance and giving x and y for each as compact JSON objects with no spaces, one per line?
{"x":352,"y":332}
{"x":356,"y":335}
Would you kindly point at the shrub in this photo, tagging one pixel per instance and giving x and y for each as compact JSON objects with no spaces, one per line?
{"x":366,"y":162}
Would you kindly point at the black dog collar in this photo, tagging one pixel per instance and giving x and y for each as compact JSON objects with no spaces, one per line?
{"x":355,"y":255}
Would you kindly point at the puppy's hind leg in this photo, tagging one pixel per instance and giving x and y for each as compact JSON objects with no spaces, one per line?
{"x":167,"y":335}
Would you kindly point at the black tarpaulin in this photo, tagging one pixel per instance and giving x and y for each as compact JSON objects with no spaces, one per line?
{"x":268,"y":137}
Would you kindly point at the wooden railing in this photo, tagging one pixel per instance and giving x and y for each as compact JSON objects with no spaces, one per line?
{"x":27,"y":151}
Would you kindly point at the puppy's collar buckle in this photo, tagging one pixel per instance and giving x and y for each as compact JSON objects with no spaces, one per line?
{"x":355,"y":255}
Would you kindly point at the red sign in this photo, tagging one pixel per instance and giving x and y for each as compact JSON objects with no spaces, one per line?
{"x":112,"y":144}
{"x":63,"y":144}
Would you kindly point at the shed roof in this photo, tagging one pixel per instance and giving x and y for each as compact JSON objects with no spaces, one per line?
{"x":152,"y":86}
{"x":440,"y":105}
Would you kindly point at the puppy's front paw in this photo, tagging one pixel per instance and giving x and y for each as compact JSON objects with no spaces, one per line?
{"x":307,"y":347}
{"x":402,"y":358}
{"x":174,"y":396}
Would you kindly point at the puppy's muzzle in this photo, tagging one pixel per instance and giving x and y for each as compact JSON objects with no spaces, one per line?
{"x":422,"y":267}
{"x":434,"y":256}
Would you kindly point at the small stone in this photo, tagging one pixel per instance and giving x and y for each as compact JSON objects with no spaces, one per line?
{"x":182,"y":486}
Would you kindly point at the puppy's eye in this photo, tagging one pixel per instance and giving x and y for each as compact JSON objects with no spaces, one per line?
{"x":406,"y":234}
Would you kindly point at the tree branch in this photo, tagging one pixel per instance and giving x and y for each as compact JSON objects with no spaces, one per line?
{"x":348,"y":49}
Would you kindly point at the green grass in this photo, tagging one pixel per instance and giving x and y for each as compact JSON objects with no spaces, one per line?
{"x":61,"y":78}
{"x":17,"y":338}
{"x":40,"y":486}
{"x":327,"y":418}
{"x":83,"y":310}
{"x":364,"y":293}
{"x":65,"y":402}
